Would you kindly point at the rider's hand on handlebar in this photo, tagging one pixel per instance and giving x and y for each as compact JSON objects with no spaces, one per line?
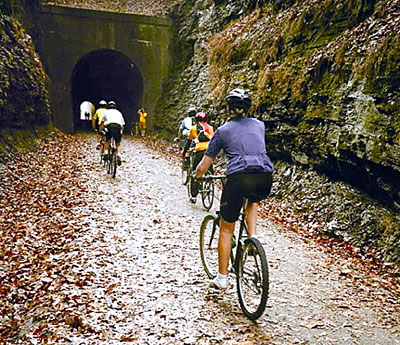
{"x":201,"y":178}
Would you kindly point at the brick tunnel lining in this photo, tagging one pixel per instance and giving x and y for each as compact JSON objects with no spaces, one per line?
{"x":109,"y":75}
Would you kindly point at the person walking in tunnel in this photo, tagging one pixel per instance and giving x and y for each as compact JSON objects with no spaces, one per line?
{"x":142,"y":121}
{"x":201,"y":133}
{"x":249,"y":173}
{"x":97,"y":118}
{"x":113,"y":121}
{"x":87,"y":110}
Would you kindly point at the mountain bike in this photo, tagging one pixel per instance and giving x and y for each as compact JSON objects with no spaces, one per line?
{"x":135,"y":128}
{"x":111,"y":162}
{"x":207,"y":192}
{"x":248,"y":261}
{"x":206,"y":186}
{"x":186,"y":167}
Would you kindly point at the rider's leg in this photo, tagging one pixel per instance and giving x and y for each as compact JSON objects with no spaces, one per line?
{"x":224,"y":245}
{"x":251,"y":217}
{"x":195,"y":185}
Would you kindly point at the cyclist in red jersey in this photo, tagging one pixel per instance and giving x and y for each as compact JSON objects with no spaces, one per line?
{"x":201,"y":133}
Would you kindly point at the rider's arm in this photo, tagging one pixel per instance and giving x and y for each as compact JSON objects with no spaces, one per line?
{"x":203,"y":165}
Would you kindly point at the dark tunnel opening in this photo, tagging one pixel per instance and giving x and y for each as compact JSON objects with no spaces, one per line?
{"x":109,"y":75}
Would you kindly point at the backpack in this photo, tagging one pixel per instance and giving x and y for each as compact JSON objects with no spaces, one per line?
{"x":201,"y":135}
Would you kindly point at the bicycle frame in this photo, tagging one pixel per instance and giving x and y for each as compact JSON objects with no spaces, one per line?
{"x":234,"y":257}
{"x":248,"y":261}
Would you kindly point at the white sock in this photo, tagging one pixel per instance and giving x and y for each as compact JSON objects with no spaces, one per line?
{"x":222,"y":277}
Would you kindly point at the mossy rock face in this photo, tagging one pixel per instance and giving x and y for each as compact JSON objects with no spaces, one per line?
{"x":21,"y":140}
{"x":24,"y":100}
{"x":324,"y":77}
{"x":308,"y":64}
{"x":24,"y":103}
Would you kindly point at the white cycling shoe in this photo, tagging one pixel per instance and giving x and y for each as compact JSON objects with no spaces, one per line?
{"x":219,"y":282}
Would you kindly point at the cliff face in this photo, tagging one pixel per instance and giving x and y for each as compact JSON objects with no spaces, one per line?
{"x":23,"y":95}
{"x":325,"y":79}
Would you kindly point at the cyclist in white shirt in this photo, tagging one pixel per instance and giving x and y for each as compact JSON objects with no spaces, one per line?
{"x":186,"y":125}
{"x":114,"y":123}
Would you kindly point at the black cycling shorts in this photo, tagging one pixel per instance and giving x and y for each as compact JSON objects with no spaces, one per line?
{"x":254,"y":186}
{"x":114,"y":130}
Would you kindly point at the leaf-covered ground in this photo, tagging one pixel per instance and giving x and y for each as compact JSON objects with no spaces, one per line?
{"x":85,"y":259}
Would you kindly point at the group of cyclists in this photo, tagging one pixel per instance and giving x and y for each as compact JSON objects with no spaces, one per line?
{"x":109,"y":121}
{"x":241,"y":138}
{"x":249,"y":168}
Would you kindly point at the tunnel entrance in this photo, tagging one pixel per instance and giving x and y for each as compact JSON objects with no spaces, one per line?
{"x":109,"y":75}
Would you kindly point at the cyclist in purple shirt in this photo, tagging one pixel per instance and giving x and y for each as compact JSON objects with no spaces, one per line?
{"x":249,"y":172}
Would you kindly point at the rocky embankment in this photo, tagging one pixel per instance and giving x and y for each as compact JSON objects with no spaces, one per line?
{"x":324,"y":79}
{"x":24,"y":105}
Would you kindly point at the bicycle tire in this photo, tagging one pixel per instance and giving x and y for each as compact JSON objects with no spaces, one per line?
{"x":113,"y":164}
{"x":108,"y":164}
{"x":184,"y":175}
{"x":207,"y":194}
{"x":252,"y":278}
{"x":189,"y":188}
{"x":209,"y":234}
{"x":102,"y":161}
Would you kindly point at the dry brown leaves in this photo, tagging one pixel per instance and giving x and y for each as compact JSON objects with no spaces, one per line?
{"x":38,"y":198}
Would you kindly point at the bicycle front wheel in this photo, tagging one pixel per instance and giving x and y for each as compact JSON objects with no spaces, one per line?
{"x":207,"y":194}
{"x":209,"y":234}
{"x":252,"y":278}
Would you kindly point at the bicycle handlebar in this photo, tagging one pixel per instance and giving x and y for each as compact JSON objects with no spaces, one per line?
{"x":214,"y":177}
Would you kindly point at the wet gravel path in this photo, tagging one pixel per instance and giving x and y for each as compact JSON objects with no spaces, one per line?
{"x":143,"y":283}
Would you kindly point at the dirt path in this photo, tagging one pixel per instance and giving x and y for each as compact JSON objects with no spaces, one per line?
{"x":138,"y":275}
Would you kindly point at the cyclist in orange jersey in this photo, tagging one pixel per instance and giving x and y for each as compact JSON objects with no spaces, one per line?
{"x":201,"y":133}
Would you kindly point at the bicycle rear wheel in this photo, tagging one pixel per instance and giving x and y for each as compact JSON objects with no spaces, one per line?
{"x":189,"y":187}
{"x":209,"y":234}
{"x":184,"y":173}
{"x":108,"y":163}
{"x":113,"y":164}
{"x":102,"y":155}
{"x":207,"y":194}
{"x":252,"y":278}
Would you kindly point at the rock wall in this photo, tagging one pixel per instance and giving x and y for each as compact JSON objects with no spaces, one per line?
{"x":324,"y":79}
{"x":23,"y":95}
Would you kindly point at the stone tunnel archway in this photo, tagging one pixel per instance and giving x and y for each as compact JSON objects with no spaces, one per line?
{"x":110,"y":75}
